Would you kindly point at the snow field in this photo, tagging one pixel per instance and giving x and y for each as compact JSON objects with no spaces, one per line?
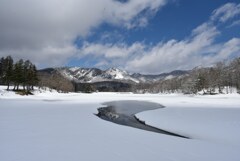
{"x":51,"y":126}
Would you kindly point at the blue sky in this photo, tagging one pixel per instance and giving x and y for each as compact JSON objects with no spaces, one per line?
{"x":146,"y":36}
{"x":176,"y":20}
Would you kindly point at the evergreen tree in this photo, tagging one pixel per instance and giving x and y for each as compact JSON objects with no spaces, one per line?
{"x":8,"y":71}
{"x":18,"y":74}
{"x":2,"y":65}
{"x":21,"y":73}
{"x":32,"y":77}
{"x":26,"y":74}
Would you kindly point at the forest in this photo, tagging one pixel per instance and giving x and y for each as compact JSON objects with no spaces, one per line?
{"x":21,"y":73}
{"x":208,"y":80}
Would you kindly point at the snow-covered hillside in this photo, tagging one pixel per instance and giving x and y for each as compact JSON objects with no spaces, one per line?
{"x":91,"y":75}
{"x":53,"y":126}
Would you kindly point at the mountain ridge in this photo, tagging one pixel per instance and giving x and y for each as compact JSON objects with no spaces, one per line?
{"x":93,"y":75}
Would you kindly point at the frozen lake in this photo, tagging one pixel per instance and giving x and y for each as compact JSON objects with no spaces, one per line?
{"x":59,"y":127}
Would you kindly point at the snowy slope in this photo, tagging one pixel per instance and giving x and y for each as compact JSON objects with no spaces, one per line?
{"x":59,"y":127}
{"x":118,"y":74}
{"x":91,"y":75}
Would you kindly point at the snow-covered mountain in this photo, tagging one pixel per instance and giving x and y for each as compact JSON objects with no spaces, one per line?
{"x":93,"y":79}
{"x":92,"y":75}
{"x":163,"y":76}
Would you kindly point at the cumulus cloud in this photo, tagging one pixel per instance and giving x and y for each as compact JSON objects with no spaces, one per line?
{"x":44,"y":31}
{"x":172,"y":55}
{"x":175,"y":54}
{"x":164,"y":56}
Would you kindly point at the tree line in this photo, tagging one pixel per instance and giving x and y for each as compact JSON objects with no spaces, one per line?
{"x":20,"y":73}
{"x":223,"y":76}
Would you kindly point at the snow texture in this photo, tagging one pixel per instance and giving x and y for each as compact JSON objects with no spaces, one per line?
{"x":51,"y":126}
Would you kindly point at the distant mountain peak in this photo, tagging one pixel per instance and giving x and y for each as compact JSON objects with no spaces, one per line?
{"x":92,"y":75}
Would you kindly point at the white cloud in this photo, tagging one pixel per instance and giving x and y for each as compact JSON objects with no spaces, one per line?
{"x":46,"y":56}
{"x":229,"y":49}
{"x":174,"y":54}
{"x":226,"y":12}
{"x":235,"y":23}
{"x":111,"y":54}
{"x":42,"y":30}
{"x":110,"y":51}
{"x":199,"y":48}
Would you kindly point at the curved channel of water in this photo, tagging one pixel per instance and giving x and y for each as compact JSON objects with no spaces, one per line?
{"x":123,"y":113}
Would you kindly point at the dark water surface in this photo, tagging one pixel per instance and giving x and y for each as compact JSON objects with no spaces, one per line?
{"x":123,"y":113}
